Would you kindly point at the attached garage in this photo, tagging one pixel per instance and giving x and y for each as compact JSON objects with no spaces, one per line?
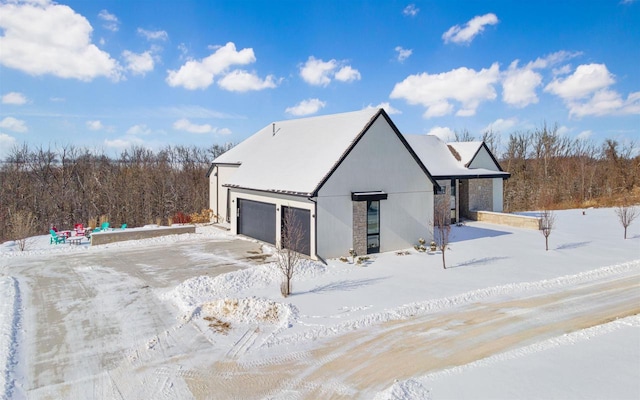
{"x":301,"y":218}
{"x":257,"y":220}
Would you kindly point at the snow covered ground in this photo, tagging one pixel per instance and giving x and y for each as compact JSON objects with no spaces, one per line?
{"x":245,"y":323}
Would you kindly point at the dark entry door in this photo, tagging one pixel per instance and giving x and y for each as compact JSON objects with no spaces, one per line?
{"x":300,"y":225}
{"x":257,"y":220}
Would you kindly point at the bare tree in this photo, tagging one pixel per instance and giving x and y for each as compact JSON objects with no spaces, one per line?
{"x":442,"y":225}
{"x":626,"y":214}
{"x":547,"y":222}
{"x":22,"y":228}
{"x":290,"y":243}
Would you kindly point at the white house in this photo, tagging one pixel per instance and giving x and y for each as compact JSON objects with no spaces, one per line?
{"x":352,"y":176}
{"x":352,"y":181}
{"x":468,"y":174}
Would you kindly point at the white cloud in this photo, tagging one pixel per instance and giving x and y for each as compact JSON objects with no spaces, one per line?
{"x":138,"y":64}
{"x":306,"y":107}
{"x":553,"y":59}
{"x":583,"y":82}
{"x":403,"y":54}
{"x":587,"y":92}
{"x":606,"y":102}
{"x":411,"y":10}
{"x":584,"y":135}
{"x":501,"y":125}
{"x":519,"y":85}
{"x":14,"y":98}
{"x":471,"y":29}
{"x":348,"y":74}
{"x":153,"y":35}
{"x":467,"y":86}
{"x":110,"y":21}
{"x":565,"y":69}
{"x":387,"y":107}
{"x":243,"y":81}
{"x":319,"y":73}
{"x":95,"y":125}
{"x":122,"y":144}
{"x":444,"y":133}
{"x":139,"y":129}
{"x":563,"y":130}
{"x":57,"y":99}
{"x":6,"y":142}
{"x":200,"y":74}
{"x":51,"y":39}
{"x":184,"y":124}
{"x":13,"y":124}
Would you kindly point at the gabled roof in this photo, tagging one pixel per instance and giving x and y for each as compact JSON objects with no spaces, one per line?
{"x":469,"y":150}
{"x":466,"y":150}
{"x":443,"y":164}
{"x":298,"y":156}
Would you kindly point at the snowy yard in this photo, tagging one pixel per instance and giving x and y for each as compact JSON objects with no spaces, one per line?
{"x":201,"y":316}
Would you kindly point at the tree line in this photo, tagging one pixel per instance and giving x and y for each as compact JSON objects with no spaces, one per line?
{"x":551,"y":170}
{"x":66,"y":185}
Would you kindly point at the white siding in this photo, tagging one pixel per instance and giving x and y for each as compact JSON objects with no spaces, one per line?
{"x":483,"y":160}
{"x":497,"y":194}
{"x":378,"y":162}
{"x":279,"y":200}
{"x":220,"y":175}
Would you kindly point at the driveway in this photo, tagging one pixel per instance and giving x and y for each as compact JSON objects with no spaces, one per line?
{"x":86,"y":312}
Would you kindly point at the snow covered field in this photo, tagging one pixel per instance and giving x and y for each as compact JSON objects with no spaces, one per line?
{"x":191,"y":315}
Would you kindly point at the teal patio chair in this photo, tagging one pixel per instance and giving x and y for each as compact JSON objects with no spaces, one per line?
{"x":55,"y":238}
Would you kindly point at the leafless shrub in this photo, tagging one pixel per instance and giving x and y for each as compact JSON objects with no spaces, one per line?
{"x":547,"y":222}
{"x":287,"y":257}
{"x":442,"y":228}
{"x":22,"y":228}
{"x":626,"y":214}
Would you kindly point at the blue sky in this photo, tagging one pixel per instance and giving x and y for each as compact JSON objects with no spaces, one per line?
{"x":111,"y":74}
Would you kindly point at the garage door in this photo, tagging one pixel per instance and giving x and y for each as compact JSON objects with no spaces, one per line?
{"x":257,"y":220}
{"x":300,"y":218}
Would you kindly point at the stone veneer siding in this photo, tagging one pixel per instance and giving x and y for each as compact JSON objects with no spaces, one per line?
{"x":480,"y":195}
{"x":360,"y":227}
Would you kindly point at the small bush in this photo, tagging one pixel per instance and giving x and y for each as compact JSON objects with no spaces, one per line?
{"x":202,"y":217}
{"x":181,"y":218}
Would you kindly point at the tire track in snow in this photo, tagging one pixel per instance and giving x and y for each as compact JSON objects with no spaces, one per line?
{"x":10,"y":317}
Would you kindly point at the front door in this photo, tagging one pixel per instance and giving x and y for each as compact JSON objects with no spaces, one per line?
{"x":373,"y":226}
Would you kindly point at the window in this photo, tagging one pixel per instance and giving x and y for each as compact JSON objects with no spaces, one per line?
{"x":373,"y":226}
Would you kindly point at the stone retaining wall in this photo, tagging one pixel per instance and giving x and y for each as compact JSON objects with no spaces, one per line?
{"x":514,"y":220}
{"x":120,"y":235}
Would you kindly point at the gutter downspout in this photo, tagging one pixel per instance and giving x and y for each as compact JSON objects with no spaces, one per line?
{"x":217,"y":196}
{"x":315,"y":229}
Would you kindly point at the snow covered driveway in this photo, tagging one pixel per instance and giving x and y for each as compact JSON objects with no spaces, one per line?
{"x":87,"y":312}
{"x":200,"y":316}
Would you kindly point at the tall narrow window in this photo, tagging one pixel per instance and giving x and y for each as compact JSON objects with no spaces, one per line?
{"x":373,"y":226}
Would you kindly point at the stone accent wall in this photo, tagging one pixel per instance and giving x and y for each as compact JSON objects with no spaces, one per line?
{"x":514,"y":220}
{"x":480,"y":195}
{"x":119,"y":235}
{"x":360,"y":227}
{"x":464,"y":198}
